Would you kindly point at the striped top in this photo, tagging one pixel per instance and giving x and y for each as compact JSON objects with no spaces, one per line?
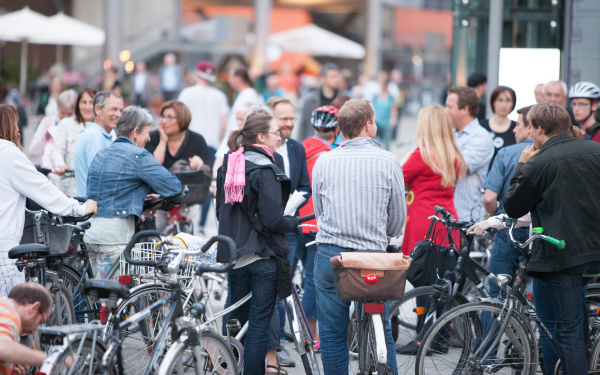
{"x":10,"y":328}
{"x":358,"y":194}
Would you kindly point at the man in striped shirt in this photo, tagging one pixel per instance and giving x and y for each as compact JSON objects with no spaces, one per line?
{"x":26,"y":307}
{"x":358,"y":195}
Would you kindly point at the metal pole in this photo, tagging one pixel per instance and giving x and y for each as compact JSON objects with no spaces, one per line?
{"x":494,"y":45}
{"x":262,"y":28}
{"x":566,"y":52}
{"x":373,"y":38}
{"x":113,"y":26}
{"x":23,"y":77}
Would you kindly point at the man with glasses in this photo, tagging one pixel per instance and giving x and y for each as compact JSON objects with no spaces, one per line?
{"x":584,"y":102}
{"x":108,"y":107}
{"x":27,"y":306}
{"x":294,"y":161}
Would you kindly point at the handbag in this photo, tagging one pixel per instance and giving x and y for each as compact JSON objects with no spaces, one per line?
{"x":369,"y":276}
{"x":284,"y":277}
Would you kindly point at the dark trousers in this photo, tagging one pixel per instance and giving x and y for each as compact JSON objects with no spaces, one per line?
{"x":206,"y":205}
{"x":260,"y":278}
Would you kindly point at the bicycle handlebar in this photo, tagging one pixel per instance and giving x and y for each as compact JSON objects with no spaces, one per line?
{"x":512,"y":223}
{"x":201,"y":268}
{"x":135,"y":239}
{"x":302,"y":219}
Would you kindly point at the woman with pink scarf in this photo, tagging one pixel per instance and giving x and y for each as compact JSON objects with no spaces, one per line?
{"x":251,"y":195}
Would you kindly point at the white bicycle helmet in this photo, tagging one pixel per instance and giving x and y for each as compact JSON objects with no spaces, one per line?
{"x":584,"y":89}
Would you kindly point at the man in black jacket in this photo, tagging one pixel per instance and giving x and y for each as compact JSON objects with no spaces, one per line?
{"x":557,"y":179}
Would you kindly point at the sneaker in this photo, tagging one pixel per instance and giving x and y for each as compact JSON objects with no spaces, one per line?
{"x":316,"y":343}
{"x":285,"y":359}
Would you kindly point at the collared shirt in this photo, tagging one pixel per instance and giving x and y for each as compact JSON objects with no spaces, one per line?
{"x":477,"y":148}
{"x":358,"y":194}
{"x":93,"y":139}
{"x":498,"y":180}
{"x":283,"y":151}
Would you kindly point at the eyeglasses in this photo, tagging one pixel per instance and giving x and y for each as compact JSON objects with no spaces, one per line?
{"x":41,"y":313}
{"x":277,"y":133}
{"x":287,"y":119}
{"x":168,"y":118}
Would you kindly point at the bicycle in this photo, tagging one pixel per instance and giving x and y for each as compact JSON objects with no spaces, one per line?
{"x":298,"y":324}
{"x":197,"y":350}
{"x":497,"y":336}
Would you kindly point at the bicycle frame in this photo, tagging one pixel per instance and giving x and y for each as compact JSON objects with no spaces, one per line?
{"x":362,"y":321}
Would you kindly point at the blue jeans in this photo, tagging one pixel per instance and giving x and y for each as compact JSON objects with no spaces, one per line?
{"x":206,"y":205}
{"x":505,"y":257}
{"x":566,"y":289}
{"x":260,"y":278}
{"x":334,"y":317}
{"x":309,"y":298}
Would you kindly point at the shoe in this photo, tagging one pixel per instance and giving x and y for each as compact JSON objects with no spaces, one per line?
{"x":316,"y":343}
{"x":439,"y":348}
{"x":411,"y":349}
{"x":285,"y":359}
{"x":278,"y":370}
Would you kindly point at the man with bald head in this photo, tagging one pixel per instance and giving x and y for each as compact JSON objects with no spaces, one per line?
{"x":556,"y":92}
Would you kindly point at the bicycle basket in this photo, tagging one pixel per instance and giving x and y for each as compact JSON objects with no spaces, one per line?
{"x":56,"y":237}
{"x":369,"y":276}
{"x":197,"y":181}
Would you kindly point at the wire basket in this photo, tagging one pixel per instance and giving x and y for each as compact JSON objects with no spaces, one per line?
{"x":152,"y":252}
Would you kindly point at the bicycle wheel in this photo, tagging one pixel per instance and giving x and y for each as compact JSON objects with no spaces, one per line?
{"x":67,"y":313}
{"x":215,"y":353}
{"x":84,"y":308}
{"x":309,"y":358}
{"x":408,"y":319}
{"x":82,"y":360}
{"x":514,"y":353}
{"x":140,"y":339}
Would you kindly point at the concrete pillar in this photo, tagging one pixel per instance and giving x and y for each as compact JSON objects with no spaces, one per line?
{"x":373,"y":38}
{"x":262,"y":28}
{"x":494,"y":45}
{"x":113,"y":26}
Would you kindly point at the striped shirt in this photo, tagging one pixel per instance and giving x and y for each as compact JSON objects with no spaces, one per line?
{"x":358,"y":194}
{"x":477,"y":148}
{"x":10,"y":328}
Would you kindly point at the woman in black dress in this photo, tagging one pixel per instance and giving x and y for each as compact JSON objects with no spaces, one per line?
{"x":503,"y":101}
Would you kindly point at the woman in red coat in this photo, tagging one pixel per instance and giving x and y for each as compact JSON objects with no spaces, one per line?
{"x":430,"y":173}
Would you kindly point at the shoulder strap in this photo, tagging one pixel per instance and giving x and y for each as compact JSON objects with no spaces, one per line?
{"x":315,"y":155}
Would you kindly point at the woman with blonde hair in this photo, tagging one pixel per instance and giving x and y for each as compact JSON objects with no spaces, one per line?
{"x":430,"y":173}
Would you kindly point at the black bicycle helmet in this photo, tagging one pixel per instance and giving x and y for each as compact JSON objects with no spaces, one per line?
{"x":325,"y":117}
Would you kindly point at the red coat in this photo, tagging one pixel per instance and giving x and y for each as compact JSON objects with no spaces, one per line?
{"x":314,"y":148}
{"x":425,"y":192}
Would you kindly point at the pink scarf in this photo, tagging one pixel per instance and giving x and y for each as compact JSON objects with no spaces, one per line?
{"x":235,"y":179}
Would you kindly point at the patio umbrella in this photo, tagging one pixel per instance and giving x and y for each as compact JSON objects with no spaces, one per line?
{"x":65,"y":30}
{"x":315,"y":41}
{"x":23,"y":26}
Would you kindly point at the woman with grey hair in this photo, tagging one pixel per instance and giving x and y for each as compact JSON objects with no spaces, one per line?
{"x":43,"y":139}
{"x":120,"y":177}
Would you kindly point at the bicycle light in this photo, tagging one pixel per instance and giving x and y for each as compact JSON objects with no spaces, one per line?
{"x":420,"y":310}
{"x":125,"y":279}
{"x":371,"y":278}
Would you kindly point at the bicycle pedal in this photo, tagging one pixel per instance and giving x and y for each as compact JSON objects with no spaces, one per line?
{"x":233,"y":326}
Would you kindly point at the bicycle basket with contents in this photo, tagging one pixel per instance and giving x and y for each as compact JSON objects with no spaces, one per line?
{"x":198,"y":181}
{"x":369,"y":276}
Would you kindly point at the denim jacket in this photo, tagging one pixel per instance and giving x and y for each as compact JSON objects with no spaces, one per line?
{"x":122,"y":174}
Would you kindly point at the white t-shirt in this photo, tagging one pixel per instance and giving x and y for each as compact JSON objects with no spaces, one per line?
{"x":246,"y":96}
{"x":283,"y":151}
{"x":207,"y":105}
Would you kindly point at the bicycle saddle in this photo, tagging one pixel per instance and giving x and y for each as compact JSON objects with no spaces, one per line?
{"x":103,"y":289}
{"x":30,"y":250}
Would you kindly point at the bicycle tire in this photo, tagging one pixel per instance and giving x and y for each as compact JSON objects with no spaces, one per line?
{"x":85,"y":309}
{"x":219,"y":358}
{"x":55,"y":362}
{"x":309,"y":358}
{"x":405,"y":320}
{"x":516,"y":351}
{"x":68,"y":311}
{"x":139,"y":340}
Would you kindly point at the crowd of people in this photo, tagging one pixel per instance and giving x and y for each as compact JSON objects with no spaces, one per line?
{"x":331,"y":150}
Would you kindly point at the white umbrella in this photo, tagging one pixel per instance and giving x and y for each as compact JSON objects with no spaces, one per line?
{"x":66,"y":30}
{"x":23,"y":26}
{"x":315,"y":41}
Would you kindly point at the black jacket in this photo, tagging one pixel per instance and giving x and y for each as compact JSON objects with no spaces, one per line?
{"x":265,"y":195}
{"x":561,"y":189}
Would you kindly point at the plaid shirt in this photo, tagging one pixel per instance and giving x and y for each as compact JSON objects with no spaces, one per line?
{"x":477,"y":149}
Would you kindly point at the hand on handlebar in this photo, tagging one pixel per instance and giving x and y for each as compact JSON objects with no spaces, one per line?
{"x":479,"y":228}
{"x":91,"y":207}
{"x":60,"y":169}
